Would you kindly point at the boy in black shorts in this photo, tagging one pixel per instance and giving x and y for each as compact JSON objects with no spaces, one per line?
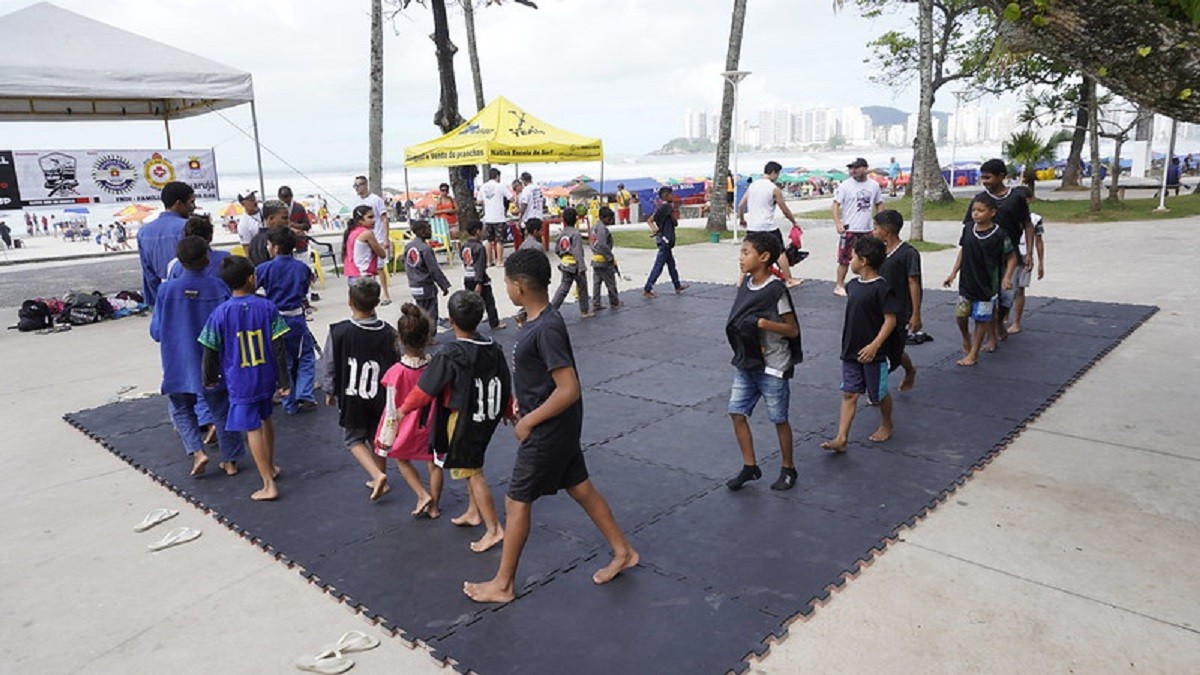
{"x":550,"y":458}
{"x":871,"y":309}
{"x":902,"y":270}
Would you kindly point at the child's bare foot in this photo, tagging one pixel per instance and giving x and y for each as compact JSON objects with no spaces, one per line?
{"x":199,"y":463}
{"x":433,"y":512}
{"x":587,"y":315}
{"x":371,"y":486}
{"x":793,"y":282}
{"x":488,"y":540}
{"x":229,"y":467}
{"x":966,"y":347}
{"x":267,"y":494}
{"x":276,"y":471}
{"x":836,"y":445}
{"x":488,"y":591}
{"x":1014,"y":329}
{"x":210,"y":436}
{"x":619,"y":564}
{"x":379,"y":486}
{"x":422,"y":506}
{"x":910,"y":378}
{"x":881,"y":434}
{"x":967,"y":361}
{"x":468,"y":519}
{"x":839,"y":290}
{"x":989,"y":347}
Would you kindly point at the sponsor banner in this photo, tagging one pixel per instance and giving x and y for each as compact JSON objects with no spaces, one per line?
{"x":52,"y":177}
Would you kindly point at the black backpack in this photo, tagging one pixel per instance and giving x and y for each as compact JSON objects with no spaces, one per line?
{"x":84,"y":308}
{"x":34,"y":315}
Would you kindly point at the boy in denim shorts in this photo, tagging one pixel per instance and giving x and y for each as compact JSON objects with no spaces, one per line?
{"x":871,"y":309}
{"x":765,"y":337}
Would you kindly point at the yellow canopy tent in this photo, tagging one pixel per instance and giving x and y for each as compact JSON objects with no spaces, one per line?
{"x":503,"y":133}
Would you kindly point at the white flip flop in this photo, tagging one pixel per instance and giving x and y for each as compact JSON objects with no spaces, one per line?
{"x":154,"y":518}
{"x":177,"y":536}
{"x":326,"y":663}
{"x":352,"y":641}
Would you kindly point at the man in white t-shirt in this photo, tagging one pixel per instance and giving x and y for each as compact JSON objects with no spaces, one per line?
{"x":756,"y":211}
{"x":492,"y":195}
{"x":363,"y":189}
{"x":855,"y":203}
{"x":250,"y":222}
{"x":530,"y":203}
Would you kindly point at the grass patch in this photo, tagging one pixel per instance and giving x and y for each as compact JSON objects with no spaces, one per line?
{"x":683,"y":237}
{"x":930,"y":246}
{"x":1072,"y":211}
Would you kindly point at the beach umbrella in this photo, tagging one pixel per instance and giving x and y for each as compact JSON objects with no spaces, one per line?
{"x":134,"y":213}
{"x":582,"y":178}
{"x":344,"y":211}
{"x":556,"y":191}
{"x":837,"y":175}
{"x":231,"y":210}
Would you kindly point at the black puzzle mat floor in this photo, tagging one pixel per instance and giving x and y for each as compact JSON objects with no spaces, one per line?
{"x":721,"y":572}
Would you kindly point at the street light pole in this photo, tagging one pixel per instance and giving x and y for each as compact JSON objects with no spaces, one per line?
{"x":734,"y":77}
{"x":1162,"y":193}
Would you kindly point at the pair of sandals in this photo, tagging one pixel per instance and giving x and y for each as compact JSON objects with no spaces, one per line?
{"x":177,"y":536}
{"x":919,"y":338}
{"x":331,"y":659}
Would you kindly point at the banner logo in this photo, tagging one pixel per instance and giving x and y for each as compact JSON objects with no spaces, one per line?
{"x":58,"y":169}
{"x":158,"y":171}
{"x":194,"y":168}
{"x":523,"y":129}
{"x":114,"y":174}
{"x":473,"y":129}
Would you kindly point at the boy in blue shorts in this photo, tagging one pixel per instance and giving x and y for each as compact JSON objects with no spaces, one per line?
{"x":184,"y":304}
{"x":244,"y":347}
{"x":871,"y":309}
{"x":285,"y":280}
{"x":984,"y":250}
{"x":550,"y":458}
{"x":765,"y":337}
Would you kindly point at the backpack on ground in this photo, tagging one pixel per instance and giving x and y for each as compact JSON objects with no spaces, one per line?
{"x":34,"y":315}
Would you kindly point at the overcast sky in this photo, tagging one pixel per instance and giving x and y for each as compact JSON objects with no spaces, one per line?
{"x":624,"y":70}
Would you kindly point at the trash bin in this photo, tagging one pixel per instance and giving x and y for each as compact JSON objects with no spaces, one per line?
{"x":714,"y":237}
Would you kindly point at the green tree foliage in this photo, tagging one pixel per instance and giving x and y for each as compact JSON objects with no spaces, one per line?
{"x":1027,"y":149}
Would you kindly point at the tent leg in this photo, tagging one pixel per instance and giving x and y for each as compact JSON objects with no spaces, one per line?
{"x":262,"y":187}
{"x":407,"y":215}
{"x":167,"y":127}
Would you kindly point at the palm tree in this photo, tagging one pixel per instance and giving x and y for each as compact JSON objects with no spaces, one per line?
{"x":375,"y":116}
{"x":716,"y":214}
{"x":1027,"y":149}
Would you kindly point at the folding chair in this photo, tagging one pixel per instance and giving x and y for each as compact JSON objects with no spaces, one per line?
{"x":440,"y":241}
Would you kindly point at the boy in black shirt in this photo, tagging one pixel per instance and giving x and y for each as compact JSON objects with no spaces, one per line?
{"x":550,"y":458}
{"x":871,"y":309}
{"x":983,"y":249}
{"x":475,"y":276}
{"x":662,"y":225}
{"x":902,"y":270}
{"x":1013,"y":217}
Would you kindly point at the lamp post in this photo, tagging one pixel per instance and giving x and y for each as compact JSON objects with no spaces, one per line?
{"x":734,"y":77}
{"x":1162,"y":193}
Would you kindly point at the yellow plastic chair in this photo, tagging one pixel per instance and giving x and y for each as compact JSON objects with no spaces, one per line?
{"x":316,"y":264}
{"x":238,"y":250}
{"x":398,"y":238}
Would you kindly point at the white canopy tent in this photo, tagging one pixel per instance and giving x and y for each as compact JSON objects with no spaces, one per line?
{"x":60,"y":66}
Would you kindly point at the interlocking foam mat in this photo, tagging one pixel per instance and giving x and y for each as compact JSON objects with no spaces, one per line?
{"x":722,"y":573}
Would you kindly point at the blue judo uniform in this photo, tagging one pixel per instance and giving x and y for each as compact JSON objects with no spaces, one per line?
{"x":184,"y":305}
{"x":285,"y":280}
{"x":174,"y":271}
{"x":156,"y":241}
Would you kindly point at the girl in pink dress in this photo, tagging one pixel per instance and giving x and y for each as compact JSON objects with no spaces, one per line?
{"x":412,"y":435}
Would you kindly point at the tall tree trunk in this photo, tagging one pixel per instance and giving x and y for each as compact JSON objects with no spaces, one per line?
{"x":716,"y":211}
{"x":447,"y":117}
{"x":1073,"y":175}
{"x":920,"y":174}
{"x":375,"y":121}
{"x":936,"y":187}
{"x":473,"y":55}
{"x":1094,"y":141}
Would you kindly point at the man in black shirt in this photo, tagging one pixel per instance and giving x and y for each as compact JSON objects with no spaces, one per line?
{"x":1012,"y":215}
{"x":662,"y":225}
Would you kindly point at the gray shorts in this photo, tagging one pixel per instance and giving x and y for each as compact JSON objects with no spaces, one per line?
{"x":353,"y":436}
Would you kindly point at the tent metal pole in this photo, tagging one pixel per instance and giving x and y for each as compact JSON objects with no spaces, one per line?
{"x":167,"y":122}
{"x":262,"y":186}
{"x":404,"y":202}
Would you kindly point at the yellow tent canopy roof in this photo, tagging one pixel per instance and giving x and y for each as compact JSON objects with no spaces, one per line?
{"x":503,"y":133}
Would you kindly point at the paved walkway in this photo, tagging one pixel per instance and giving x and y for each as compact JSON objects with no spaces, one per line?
{"x":1071,"y":552}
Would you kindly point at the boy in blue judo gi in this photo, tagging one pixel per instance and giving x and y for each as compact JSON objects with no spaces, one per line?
{"x":285,"y":280}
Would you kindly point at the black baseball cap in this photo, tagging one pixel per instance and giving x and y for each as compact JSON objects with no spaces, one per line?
{"x":857,"y":163}
{"x":248,"y":194}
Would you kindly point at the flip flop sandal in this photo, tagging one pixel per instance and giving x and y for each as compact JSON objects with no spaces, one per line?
{"x":154,"y":518}
{"x":353,"y":641}
{"x":326,"y":663}
{"x":177,"y":536}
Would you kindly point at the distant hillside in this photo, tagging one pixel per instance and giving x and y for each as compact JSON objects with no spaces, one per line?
{"x":883,"y":116}
{"x":685,"y":146}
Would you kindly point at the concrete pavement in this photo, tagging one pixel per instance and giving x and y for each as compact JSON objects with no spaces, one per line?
{"x":1071,"y":551}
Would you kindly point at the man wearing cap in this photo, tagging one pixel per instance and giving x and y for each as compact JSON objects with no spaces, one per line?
{"x":756,"y":211}
{"x":251,"y":221}
{"x":855,"y":204}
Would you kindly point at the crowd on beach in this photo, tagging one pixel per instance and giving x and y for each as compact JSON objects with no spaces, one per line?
{"x":234,"y":337}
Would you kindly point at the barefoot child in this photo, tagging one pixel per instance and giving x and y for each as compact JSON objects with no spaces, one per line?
{"x":572,"y":265}
{"x":357,"y":352}
{"x":184,"y":304}
{"x":470,"y":381}
{"x":285,"y":280}
{"x":983,"y":250}
{"x":412,"y":433}
{"x":546,"y":387}
{"x":902,"y":270}
{"x":871,"y":309}
{"x":424,"y":273}
{"x":604,"y":265}
{"x":1023,"y":276}
{"x":243,"y":343}
{"x":475,"y":276}
{"x":765,"y":337}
